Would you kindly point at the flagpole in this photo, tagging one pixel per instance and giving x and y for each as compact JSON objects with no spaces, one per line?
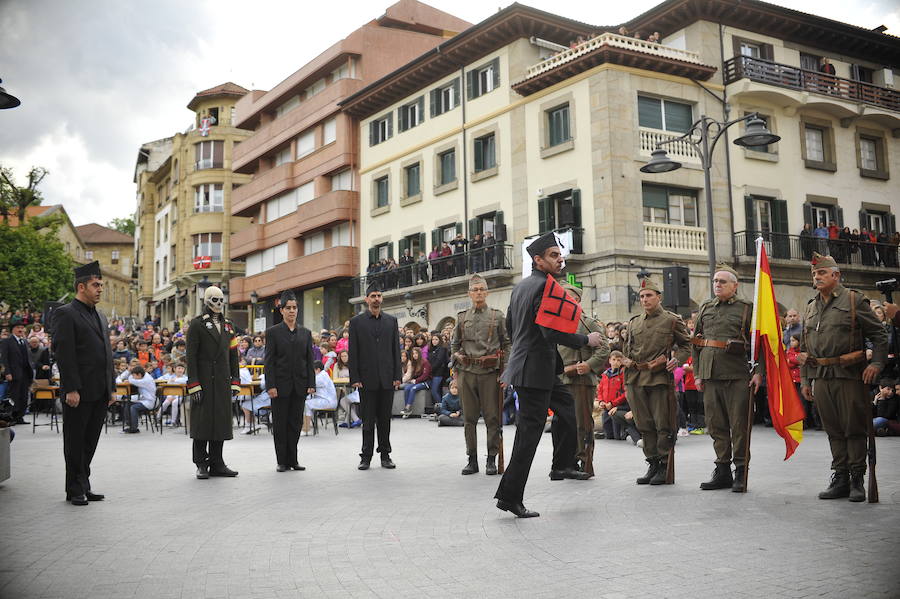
{"x":753,"y":361}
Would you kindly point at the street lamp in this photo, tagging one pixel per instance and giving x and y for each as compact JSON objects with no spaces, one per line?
{"x":8,"y":100}
{"x":254,"y":299}
{"x":202,"y":285}
{"x":420,"y":313}
{"x":757,"y":134}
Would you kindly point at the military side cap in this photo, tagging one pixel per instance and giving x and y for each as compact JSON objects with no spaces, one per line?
{"x":648,"y":283}
{"x":373,"y":286}
{"x":573,"y":290}
{"x":91,"y":269}
{"x":722,"y":267}
{"x":542,"y":244}
{"x":820,"y":261}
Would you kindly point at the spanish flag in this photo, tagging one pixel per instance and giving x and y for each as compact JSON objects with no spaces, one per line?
{"x":785,"y":408}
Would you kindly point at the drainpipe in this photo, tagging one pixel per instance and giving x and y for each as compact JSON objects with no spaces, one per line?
{"x":465,"y":153}
{"x":725,"y":111}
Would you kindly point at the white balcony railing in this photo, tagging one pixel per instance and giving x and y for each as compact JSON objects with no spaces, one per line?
{"x":676,"y":239}
{"x":613,"y":40}
{"x":649,"y":138}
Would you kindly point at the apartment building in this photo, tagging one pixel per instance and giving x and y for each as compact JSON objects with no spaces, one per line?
{"x":184,"y":220}
{"x":301,"y":160}
{"x":540,"y":130}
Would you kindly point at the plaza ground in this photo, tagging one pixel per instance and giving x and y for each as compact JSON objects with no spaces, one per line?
{"x":423,"y":530}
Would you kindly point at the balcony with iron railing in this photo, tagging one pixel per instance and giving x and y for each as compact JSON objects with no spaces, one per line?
{"x":799,"y":248}
{"x":792,"y":77}
{"x":491,"y":262}
{"x":675,"y":239}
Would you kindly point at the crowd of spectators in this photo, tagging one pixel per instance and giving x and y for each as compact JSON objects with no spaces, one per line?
{"x":858,"y":246}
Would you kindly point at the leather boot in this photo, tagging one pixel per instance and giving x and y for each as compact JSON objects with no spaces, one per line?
{"x":721,"y":478}
{"x":651,"y":472}
{"x":490,"y":467}
{"x":471,"y":467}
{"x":857,"y":489}
{"x":659,"y":477}
{"x":839,"y":487}
{"x":738,"y":485}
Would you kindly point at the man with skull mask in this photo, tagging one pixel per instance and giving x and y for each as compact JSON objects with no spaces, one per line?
{"x":212,"y":368}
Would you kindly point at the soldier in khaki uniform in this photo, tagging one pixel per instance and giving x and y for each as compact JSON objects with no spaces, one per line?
{"x":721,"y":355}
{"x":580,"y":370}
{"x":479,"y":345}
{"x":650,"y":340}
{"x":834,"y":372}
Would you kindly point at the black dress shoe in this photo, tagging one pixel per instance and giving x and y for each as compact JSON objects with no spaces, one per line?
{"x":518,"y":509}
{"x":281,"y":468}
{"x":202,"y":472}
{"x":364,"y":464}
{"x":21,"y":421}
{"x":569,"y":473}
{"x":94,"y":496}
{"x":387,"y":462}
{"x":78,"y":500}
{"x":222,"y":471}
{"x":298,"y":467}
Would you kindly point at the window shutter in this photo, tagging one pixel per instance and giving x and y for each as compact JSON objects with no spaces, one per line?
{"x":808,"y":215}
{"x":650,"y":112}
{"x":197,"y":152}
{"x":456,"y":96}
{"x":373,"y":255}
{"x":544,"y":205}
{"x":402,"y":125}
{"x":891,"y":224}
{"x":459,"y":227}
{"x":422,"y":246}
{"x":751,"y":222}
{"x":390,"y":125}
{"x":470,"y":85}
{"x":390,"y":247}
{"x":496,"y":71}
{"x":421,"y":111}
{"x":218,"y":150}
{"x":372,"y":133}
{"x":863,"y":219}
{"x":435,"y":238}
{"x":839,"y":216}
{"x":403,"y":245}
{"x":779,"y":216}
{"x":576,"y":207}
{"x":479,"y":154}
{"x":499,"y":227}
{"x":767,"y":51}
{"x":433,"y":95}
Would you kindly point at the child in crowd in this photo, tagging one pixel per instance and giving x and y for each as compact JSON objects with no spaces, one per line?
{"x":886,"y":409}
{"x":143,"y":402}
{"x":693,"y":401}
{"x":253,"y":405}
{"x":792,"y":354}
{"x":325,"y":397}
{"x":178,"y":377}
{"x":610,"y":392}
{"x":143,"y":354}
{"x":449,"y":411}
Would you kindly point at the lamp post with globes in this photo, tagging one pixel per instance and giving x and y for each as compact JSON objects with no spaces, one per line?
{"x":703,"y":135}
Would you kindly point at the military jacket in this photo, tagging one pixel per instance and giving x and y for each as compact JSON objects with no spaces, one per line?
{"x":480,"y":333}
{"x":826,"y":334}
{"x":594,"y":356}
{"x":719,"y":320}
{"x":650,"y":336}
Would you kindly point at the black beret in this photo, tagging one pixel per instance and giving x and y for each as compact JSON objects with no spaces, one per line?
{"x":542,"y":243}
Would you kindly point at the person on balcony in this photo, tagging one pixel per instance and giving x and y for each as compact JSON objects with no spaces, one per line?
{"x":821,"y":234}
{"x":434,"y":258}
{"x":807,"y":241}
{"x":489,"y":242}
{"x":477,"y":253}
{"x":844,"y":237}
{"x":867,"y":247}
{"x":827,"y":69}
{"x":406,"y":268}
{"x":446,"y":260}
{"x":460,"y":244}
{"x":422,"y":268}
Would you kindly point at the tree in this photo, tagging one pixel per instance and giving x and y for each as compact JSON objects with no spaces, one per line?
{"x":34,"y":263}
{"x":15,"y":199}
{"x":122,"y":225}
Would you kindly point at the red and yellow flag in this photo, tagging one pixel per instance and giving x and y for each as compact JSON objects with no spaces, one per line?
{"x":785,"y":408}
{"x":558,"y":309}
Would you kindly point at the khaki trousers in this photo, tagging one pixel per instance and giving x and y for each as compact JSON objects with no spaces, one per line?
{"x":584,"y":423}
{"x":650,"y":406}
{"x":480,"y":395}
{"x":844,"y":409}
{"x":725,"y":404}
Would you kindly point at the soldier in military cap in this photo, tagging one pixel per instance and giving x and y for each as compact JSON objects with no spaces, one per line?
{"x":580,"y":369}
{"x":834,"y":372}
{"x":478,"y":346}
{"x":649,"y":342}
{"x":721,"y":354}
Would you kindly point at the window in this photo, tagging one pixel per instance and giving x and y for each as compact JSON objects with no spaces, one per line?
{"x":115,"y":256}
{"x":342,"y":180}
{"x":809,"y":62}
{"x":306,"y":143}
{"x":413,"y":186}
{"x":664,"y":114}
{"x":485,"y":153}
{"x":267,"y":259}
{"x":380,"y":130}
{"x":412,"y":114}
{"x":306,"y":193}
{"x":283,"y":157}
{"x":288,"y":106}
{"x":750,"y":49}
{"x":165,"y":269}
{"x":208,"y":244}
{"x":313,"y":243}
{"x":380,"y":252}
{"x":768,"y":217}
{"x":447,"y":162}
{"x":208,"y":198}
{"x":482,"y":80}
{"x":871,"y":156}
{"x":382,"y":190}
{"x":340,"y":235}
{"x":89,"y":254}
{"x":448,"y":232}
{"x":861,"y":73}
{"x":209,"y":154}
{"x":281,"y":205}
{"x":316,"y":88}
{"x":444,"y":98}
{"x":342,"y":72}
{"x":670,"y":205}
{"x":329,"y":131}
{"x":415,"y":243}
{"x":815,"y":144}
{"x":558,"y":125}
{"x":561,"y":211}
{"x":868,"y":158}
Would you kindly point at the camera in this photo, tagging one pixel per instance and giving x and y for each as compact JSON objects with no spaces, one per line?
{"x":887,"y":288}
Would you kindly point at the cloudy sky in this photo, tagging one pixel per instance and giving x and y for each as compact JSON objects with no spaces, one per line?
{"x":97,"y":78}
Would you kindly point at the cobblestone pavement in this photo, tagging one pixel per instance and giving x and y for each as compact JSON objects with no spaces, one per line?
{"x":423,"y":530}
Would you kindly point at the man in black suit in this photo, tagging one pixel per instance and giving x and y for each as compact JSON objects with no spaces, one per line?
{"x":18,"y":369}
{"x":289,"y":378}
{"x":533,"y":369}
{"x":375,"y":371}
{"x":84,"y":356}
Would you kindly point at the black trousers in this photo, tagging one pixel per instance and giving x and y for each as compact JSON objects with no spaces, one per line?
{"x":81,"y":433}
{"x":18,"y":393}
{"x":533,"y":405}
{"x":208,"y":453}
{"x":286,"y":414}
{"x":375,"y":406}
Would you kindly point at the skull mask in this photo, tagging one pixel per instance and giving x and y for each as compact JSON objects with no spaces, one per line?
{"x":214,"y":299}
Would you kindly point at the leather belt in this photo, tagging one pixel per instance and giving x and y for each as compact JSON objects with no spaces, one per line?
{"x":843,"y":360}
{"x":700,"y":342}
{"x":653,"y":365}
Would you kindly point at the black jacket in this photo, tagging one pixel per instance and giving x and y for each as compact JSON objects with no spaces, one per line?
{"x":289,"y":360}
{"x":15,"y":359}
{"x":37,"y":359}
{"x":374,"y":351}
{"x":82,"y":352}
{"x":533,"y":361}
{"x":212,"y":366}
{"x":439,"y":358}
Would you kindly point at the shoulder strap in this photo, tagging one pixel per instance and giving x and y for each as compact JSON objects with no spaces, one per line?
{"x":744,"y":321}
{"x":493,"y":324}
{"x":853,"y":317}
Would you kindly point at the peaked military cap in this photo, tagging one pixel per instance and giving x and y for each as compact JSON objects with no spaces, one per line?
{"x":91,"y":269}
{"x":541,"y":244}
{"x":820,"y":261}
{"x":722,"y":267}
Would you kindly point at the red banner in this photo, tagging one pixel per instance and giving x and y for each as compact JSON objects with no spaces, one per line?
{"x":202,"y":262}
{"x":558,"y":310}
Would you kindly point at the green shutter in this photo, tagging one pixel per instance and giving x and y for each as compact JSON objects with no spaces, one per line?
{"x":435,"y":238}
{"x":390,"y":247}
{"x":839,"y":216}
{"x":782,"y":246}
{"x":456,"y":97}
{"x":459,"y":228}
{"x":470,"y":84}
{"x":479,"y":154}
{"x":863,"y":219}
{"x":678,"y":116}
{"x":390,"y":125}
{"x":808,"y":214}
{"x":650,"y":112}
{"x":432,"y":101}
{"x":655,"y":196}
{"x":544,"y":207}
{"x":576,"y":207}
{"x":402,"y":125}
{"x":403,"y":245}
{"x":421,"y":111}
{"x":422,"y":240}
{"x":748,"y":211}
{"x":373,"y":255}
{"x":496,"y":71}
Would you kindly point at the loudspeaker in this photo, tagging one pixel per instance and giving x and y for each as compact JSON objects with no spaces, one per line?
{"x":500,"y":233}
{"x":676,"y":287}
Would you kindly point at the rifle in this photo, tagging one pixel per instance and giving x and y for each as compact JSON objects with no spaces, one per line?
{"x":870,"y":450}
{"x":588,"y":417}
{"x":501,"y":462}
{"x":749,"y":429}
{"x":673,"y":428}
